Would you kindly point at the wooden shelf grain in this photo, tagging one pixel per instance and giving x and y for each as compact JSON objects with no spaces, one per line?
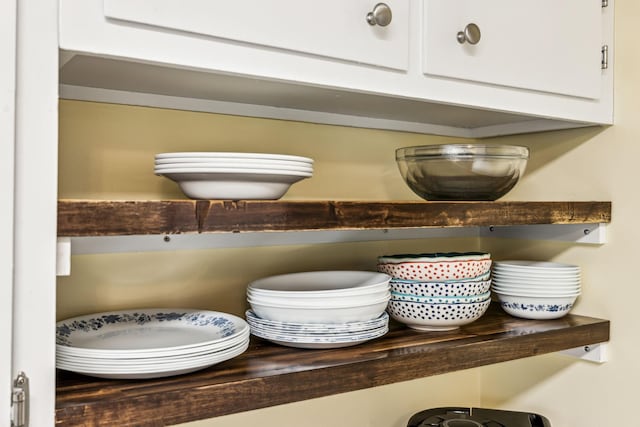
{"x":268,"y":374}
{"x":78,"y":218}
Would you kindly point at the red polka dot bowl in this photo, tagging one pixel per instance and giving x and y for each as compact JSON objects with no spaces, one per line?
{"x":437,"y":266}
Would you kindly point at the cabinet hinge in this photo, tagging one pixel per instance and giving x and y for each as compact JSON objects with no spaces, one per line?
{"x":605,"y":3}
{"x":20,"y":401}
{"x":605,"y":57}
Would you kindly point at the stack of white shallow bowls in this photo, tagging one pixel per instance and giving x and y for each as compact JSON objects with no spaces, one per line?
{"x":233,"y":176}
{"x":148,"y":343}
{"x":319,"y":309}
{"x":534,"y":289}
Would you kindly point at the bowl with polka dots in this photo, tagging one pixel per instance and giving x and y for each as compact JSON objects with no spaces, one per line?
{"x":451,"y":288}
{"x":438,"y":266}
{"x":436,"y":317}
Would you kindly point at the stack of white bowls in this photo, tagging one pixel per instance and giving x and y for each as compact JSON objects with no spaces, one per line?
{"x":148,"y":343}
{"x":438,"y":291}
{"x":319,"y":309}
{"x":534,"y":289}
{"x":233,"y":176}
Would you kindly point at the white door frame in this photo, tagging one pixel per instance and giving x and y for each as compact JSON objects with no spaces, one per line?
{"x":7,"y":145}
{"x":35,"y":204}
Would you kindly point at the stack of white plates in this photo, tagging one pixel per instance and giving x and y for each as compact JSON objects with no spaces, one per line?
{"x":534,"y":289}
{"x":233,"y":176}
{"x":318,"y":335}
{"x":148,"y":343}
{"x":340,"y":307}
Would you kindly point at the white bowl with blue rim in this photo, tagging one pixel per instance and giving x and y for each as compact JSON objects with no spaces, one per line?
{"x":436,"y":317}
{"x":536,"y":306}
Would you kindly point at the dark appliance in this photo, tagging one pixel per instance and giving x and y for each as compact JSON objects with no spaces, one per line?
{"x":476,"y":417}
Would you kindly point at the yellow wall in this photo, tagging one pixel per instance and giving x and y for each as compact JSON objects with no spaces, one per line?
{"x":107,"y":151}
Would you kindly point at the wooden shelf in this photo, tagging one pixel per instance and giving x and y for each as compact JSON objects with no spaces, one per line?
{"x":77,"y":218}
{"x":268,"y":375}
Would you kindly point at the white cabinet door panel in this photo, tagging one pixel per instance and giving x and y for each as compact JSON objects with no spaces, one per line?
{"x":7,"y":135}
{"x":331,"y":28}
{"x":543,"y":45}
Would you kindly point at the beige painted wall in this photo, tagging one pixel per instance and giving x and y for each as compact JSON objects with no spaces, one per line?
{"x":107,"y":152}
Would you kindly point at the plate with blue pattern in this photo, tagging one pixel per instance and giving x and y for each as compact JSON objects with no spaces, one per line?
{"x":149,"y":332}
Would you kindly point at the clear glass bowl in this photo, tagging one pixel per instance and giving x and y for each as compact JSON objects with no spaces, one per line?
{"x":462,"y":171}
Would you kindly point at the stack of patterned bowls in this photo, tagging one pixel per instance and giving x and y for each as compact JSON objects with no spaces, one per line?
{"x":319,"y":309}
{"x":536,"y":290}
{"x":438,"y":291}
{"x":233,"y":176}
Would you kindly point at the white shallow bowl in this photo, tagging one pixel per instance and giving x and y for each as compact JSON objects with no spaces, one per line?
{"x":539,"y":288}
{"x":320,"y":301}
{"x":521,"y":265}
{"x":535,"y":280}
{"x":436,"y":317}
{"x":536,"y":307}
{"x":236,"y":155}
{"x":320,"y":314}
{"x":433,"y":289}
{"x":321,"y":283}
{"x":529,"y":293}
{"x":536,"y":269}
{"x":234,"y":186}
{"x":441,"y":300}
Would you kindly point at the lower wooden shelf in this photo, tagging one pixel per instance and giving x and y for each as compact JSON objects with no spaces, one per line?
{"x":269,"y":375}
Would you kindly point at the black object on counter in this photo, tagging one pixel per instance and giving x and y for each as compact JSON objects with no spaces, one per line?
{"x":476,"y":417}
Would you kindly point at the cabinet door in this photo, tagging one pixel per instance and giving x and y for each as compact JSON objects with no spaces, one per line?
{"x":543,"y":45}
{"x":332,"y":28}
{"x":7,"y":129}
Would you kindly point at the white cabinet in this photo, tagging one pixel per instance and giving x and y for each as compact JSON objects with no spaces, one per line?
{"x":536,"y":68}
{"x":333,"y":29}
{"x":541,"y":45}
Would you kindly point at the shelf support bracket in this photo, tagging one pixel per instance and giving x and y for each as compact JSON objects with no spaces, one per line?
{"x":579,"y":233}
{"x":596,"y":353}
{"x":63,"y":256}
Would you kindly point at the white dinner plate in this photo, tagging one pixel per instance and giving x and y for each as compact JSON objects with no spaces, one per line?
{"x":316,"y":342}
{"x":229,"y":173}
{"x":150,"y":363}
{"x":146,"y":331}
{"x":230,"y":165}
{"x":223,"y":154}
{"x":153,"y":370}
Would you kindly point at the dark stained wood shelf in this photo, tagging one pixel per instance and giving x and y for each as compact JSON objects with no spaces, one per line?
{"x":120,"y":218}
{"x":268,"y":375}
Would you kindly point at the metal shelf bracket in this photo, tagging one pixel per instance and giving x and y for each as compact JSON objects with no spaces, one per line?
{"x":63,"y":256}
{"x":596,"y":353}
{"x":579,"y":233}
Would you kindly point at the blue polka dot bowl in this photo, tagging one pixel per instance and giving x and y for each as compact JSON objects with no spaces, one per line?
{"x":436,"y":317}
{"x":452,"y":288}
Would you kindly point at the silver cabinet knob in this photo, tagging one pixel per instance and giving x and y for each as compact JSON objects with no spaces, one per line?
{"x":471,"y":34}
{"x":380,"y":15}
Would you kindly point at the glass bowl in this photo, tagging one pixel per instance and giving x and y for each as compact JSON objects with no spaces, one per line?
{"x":474,"y":172}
